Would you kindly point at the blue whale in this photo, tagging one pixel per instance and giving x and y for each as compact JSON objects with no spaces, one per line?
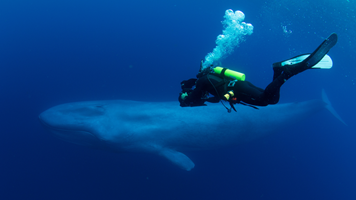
{"x":167,"y":129}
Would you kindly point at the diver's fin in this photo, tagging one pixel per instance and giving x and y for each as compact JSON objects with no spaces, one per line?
{"x":301,"y":63}
{"x":325,"y":63}
{"x":321,"y":51}
{"x":178,"y":158}
{"x":329,"y":106}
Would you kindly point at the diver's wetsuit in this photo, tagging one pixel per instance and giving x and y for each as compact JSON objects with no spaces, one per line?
{"x":243,"y":90}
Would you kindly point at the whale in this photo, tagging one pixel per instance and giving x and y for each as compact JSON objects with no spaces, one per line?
{"x":168,"y":130}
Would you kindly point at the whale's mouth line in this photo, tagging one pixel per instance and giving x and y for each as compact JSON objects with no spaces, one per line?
{"x":66,"y":134}
{"x":61,"y":129}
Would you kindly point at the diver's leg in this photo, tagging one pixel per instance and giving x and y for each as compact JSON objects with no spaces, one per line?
{"x":248,"y":93}
{"x":271,"y":93}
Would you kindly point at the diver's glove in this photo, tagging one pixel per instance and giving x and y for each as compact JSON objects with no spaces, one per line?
{"x":183,"y":95}
{"x":187,"y":102}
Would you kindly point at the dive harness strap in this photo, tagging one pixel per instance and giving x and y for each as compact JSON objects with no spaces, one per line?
{"x":246,"y":104}
{"x":240,"y":102}
{"x":226,"y":83}
{"x":222,"y":82}
{"x":222,"y":73}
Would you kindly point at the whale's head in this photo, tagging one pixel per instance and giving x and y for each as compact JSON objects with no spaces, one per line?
{"x":75,"y":122}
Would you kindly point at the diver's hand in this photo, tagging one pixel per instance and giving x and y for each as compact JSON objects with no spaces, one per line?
{"x":183,"y":95}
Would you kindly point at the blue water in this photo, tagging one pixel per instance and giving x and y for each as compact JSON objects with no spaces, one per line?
{"x":54,"y":52}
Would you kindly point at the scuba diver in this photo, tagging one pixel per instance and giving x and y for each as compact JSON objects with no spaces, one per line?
{"x":228,"y":85}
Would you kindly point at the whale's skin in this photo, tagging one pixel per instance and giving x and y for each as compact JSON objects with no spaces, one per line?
{"x":166,"y":128}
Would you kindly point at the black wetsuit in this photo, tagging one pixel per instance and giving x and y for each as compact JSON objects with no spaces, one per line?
{"x":244,"y":91}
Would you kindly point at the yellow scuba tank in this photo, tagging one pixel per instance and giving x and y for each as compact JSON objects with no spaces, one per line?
{"x":230,"y":73}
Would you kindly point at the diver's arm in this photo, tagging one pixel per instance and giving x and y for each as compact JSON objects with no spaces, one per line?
{"x":197,"y":93}
{"x":191,"y":98}
{"x":186,"y":100}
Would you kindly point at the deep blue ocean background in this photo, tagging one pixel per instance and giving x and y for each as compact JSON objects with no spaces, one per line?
{"x":61,"y":51}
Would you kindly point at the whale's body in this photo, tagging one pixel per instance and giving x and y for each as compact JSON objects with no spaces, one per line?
{"x":167,"y":129}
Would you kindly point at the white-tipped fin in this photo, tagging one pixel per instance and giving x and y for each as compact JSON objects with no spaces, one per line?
{"x":329,"y":106}
{"x":325,"y":63}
